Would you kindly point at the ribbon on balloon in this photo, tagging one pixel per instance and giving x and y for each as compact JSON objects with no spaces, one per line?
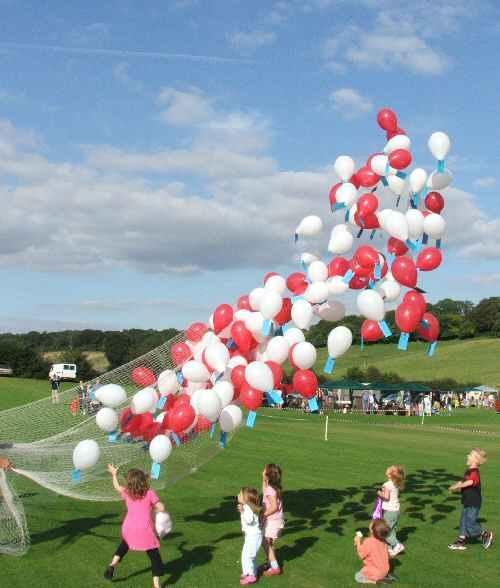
{"x":252,"y":415}
{"x":348,"y":276}
{"x":212,"y":430}
{"x":161,"y":402}
{"x":76,"y":476}
{"x":180,"y":377}
{"x":432,"y":348}
{"x":223,"y":439}
{"x":384,"y":327}
{"x":313,"y":404}
{"x":329,"y":365}
{"x":113,"y":436}
{"x":267,"y":328}
{"x":403,"y":341}
{"x":155,"y":470}
{"x":175,"y":438}
{"x":441,"y":166}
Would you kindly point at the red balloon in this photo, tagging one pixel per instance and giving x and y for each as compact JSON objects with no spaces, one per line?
{"x":434,"y":202}
{"x":180,"y":353}
{"x":297,"y":283}
{"x":305,"y":383}
{"x":359,"y":282}
{"x":203,"y":424}
{"x":338,"y":266}
{"x":398,"y":131}
{"x":238,"y":376}
{"x":223,"y":317}
{"x":429,"y":331}
{"x":387,"y":119}
{"x":244,"y":303}
{"x":277,"y":373}
{"x":404,"y":271}
{"x":416,"y":299}
{"x":127,"y":418}
{"x":383,"y":269}
{"x":354,"y":180}
{"x":143,"y":376}
{"x":333,"y":194}
{"x":408,"y":317}
{"x":285,"y":314}
{"x":180,"y":418}
{"x":367,"y":178}
{"x":367,"y":256}
{"x":152,"y":431}
{"x":196,"y":331}
{"x":429,"y":259}
{"x":370,"y":221}
{"x":371,"y":331}
{"x":183,"y":398}
{"x":241,"y":336}
{"x":250,"y":397}
{"x":269,"y":275}
{"x":358,"y":269}
{"x":400,"y":158}
{"x":396,"y":246}
{"x":367,"y":204}
{"x":146,"y":421}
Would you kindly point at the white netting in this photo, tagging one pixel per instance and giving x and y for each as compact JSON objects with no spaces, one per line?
{"x":39,"y":438}
{"x":14,"y":536}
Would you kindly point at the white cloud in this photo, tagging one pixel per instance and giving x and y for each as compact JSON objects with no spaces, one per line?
{"x":250,"y":41}
{"x":486,"y":182}
{"x":121,"y":73}
{"x":184,"y":108}
{"x":350,"y":103}
{"x":486,"y":279}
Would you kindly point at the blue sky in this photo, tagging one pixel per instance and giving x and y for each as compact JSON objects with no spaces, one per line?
{"x":155,"y":157}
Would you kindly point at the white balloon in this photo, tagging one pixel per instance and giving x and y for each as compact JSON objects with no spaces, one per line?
{"x":396,"y":185}
{"x":230,"y":418}
{"x":259,"y":376}
{"x":276,"y":283}
{"x":160,"y":448}
{"x":317,"y":271}
{"x":417,"y":179}
{"x":378,"y":164}
{"x":86,"y":454}
{"x":277,"y":349}
{"x":415,"y":220}
{"x":346,"y":194}
{"x":316,"y":292}
{"x":111,"y":395}
{"x":254,"y":322}
{"x":242,"y":314}
{"x":440,"y":180}
{"x":107,"y":419}
{"x":397,"y":142}
{"x":371,"y":305}
{"x":308,"y":258}
{"x":339,"y":228}
{"x":397,"y":225}
{"x":195,"y":397}
{"x":302,"y":314}
{"x":167,"y":382}
{"x":439,"y":144}
{"x":270,"y":304}
{"x":309,"y":226}
{"x":144,"y":400}
{"x":434,"y":225}
{"x":339,"y":341}
{"x":340,"y":242}
{"x":217,"y":356}
{"x":255,"y":297}
{"x":337,"y":286}
{"x":390,"y":290}
{"x":208,"y":404}
{"x":192,"y":387}
{"x":344,"y":167}
{"x":331,"y":311}
{"x":382,"y":216}
{"x":195,"y":371}
{"x":304,"y":355}
{"x":236,"y":360}
{"x":225,"y":392}
{"x":163,"y":524}
{"x":294,"y":335}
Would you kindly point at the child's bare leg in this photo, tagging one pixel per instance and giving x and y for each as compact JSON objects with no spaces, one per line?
{"x":156,"y":582}
{"x":115,"y":561}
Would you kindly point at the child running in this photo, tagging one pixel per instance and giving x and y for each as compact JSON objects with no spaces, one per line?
{"x":470,"y":487}
{"x":272,"y":496}
{"x":138,"y":529}
{"x":389,"y":493}
{"x":250,"y":509}
{"x":374,"y":553}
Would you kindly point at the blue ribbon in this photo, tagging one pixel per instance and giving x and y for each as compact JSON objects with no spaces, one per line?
{"x":346,"y":217}
{"x":278,"y":331}
{"x":338,"y":206}
{"x":432,"y":348}
{"x":362,"y":343}
{"x":274,"y":397}
{"x":212,"y":430}
{"x":411,"y":244}
{"x":285,"y":328}
{"x":223,"y":439}
{"x":378,"y":271}
{"x":384,"y":327}
{"x":296,"y":298}
{"x":329,"y":365}
{"x":360,"y":232}
{"x":401,"y":174}
{"x":390,"y":258}
{"x":425,"y":239}
{"x":161,"y":402}
{"x":266,"y":328}
{"x":387,"y":168}
{"x":113,"y":437}
{"x":418,"y":246}
{"x":313,"y":404}
{"x":440,"y":166}
{"x":176,"y":439}
{"x":295,"y":237}
{"x":252,"y":415}
{"x":348,"y":276}
{"x":403,"y":341}
{"x":438,"y":243}
{"x":155,"y":470}
{"x":384,"y":181}
{"x":398,"y":199}
{"x":76,"y":476}
{"x":231,"y":344}
{"x":425,"y":324}
{"x":303,"y":265}
{"x":180,"y":377}
{"x":372,"y":234}
{"x":371,"y":283}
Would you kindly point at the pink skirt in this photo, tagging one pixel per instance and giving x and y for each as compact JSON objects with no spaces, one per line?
{"x":273,"y":528}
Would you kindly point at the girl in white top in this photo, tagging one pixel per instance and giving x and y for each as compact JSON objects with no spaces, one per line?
{"x":389,"y":493}
{"x":250,"y":509}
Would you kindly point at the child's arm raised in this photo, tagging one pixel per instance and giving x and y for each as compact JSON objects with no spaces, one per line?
{"x":114,"y":472}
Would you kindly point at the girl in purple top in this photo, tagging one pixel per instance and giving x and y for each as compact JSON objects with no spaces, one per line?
{"x":138,"y":528}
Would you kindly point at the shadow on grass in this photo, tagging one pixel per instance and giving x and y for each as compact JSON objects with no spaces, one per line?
{"x":73,"y":529}
{"x":194,"y":557}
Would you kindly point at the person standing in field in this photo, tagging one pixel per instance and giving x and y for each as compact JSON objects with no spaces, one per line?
{"x":389,"y":493}
{"x":272,"y":497}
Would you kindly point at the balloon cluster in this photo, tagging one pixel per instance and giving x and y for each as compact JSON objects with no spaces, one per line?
{"x":236,"y":359}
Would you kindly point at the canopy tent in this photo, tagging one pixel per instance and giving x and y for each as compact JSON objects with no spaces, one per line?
{"x":485,"y":390}
{"x":381,"y":386}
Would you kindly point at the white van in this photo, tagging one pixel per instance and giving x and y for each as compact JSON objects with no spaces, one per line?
{"x":64,"y":371}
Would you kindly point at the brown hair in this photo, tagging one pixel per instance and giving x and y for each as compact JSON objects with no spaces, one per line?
{"x":380,"y":529}
{"x":273,"y":475}
{"x":398,"y":476}
{"x":251,"y":497}
{"x":137,"y":484}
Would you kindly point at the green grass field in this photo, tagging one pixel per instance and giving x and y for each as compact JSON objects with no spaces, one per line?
{"x":329,"y":494}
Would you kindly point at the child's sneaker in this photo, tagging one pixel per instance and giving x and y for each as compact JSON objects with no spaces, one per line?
{"x":248,"y":580}
{"x":487,"y":537}
{"x":272,"y":572}
{"x":458,"y":545}
{"x":399,"y":548}
{"x":108,"y":574}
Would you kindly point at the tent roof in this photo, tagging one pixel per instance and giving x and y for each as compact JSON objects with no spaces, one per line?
{"x":382,"y":386}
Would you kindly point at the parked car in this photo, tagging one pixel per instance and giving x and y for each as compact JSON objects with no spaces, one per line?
{"x":6,"y":370}
{"x":64,"y":371}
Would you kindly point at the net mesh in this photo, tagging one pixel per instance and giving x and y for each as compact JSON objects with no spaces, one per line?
{"x":14,"y":536}
{"x":39,"y":438}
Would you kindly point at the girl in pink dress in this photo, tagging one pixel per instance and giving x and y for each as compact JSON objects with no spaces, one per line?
{"x":138,"y":528}
{"x":273,"y":515}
